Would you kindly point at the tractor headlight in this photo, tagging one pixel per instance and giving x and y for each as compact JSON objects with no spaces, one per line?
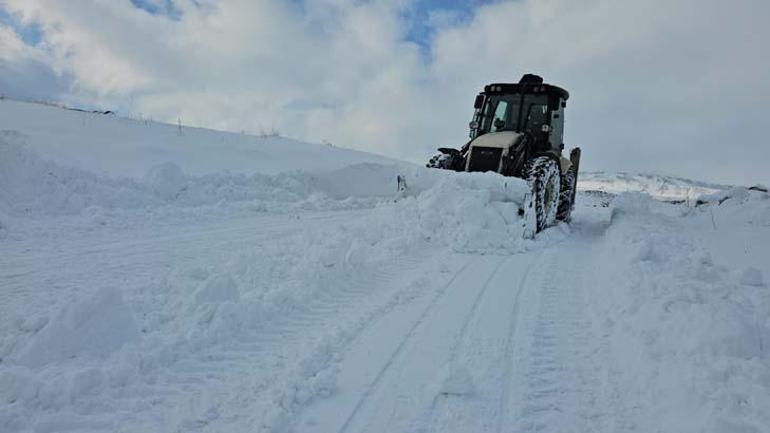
{"x":545,"y":128}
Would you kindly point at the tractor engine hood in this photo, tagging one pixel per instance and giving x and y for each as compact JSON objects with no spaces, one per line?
{"x":487,"y":152}
{"x":499,"y":140}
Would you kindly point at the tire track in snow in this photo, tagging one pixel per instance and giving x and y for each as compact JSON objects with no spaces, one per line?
{"x":431,"y":412}
{"x":505,"y":398}
{"x":399,"y":348}
{"x":403,"y":357}
{"x":484,"y":351}
{"x":554,"y":382}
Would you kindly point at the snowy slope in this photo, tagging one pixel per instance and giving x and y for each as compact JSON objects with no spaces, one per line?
{"x":120,"y":147}
{"x":192,"y":283}
{"x":657,"y":186}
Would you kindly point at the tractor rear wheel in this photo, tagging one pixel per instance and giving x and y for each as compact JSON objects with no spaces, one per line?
{"x":566,"y":195}
{"x":543,"y":176}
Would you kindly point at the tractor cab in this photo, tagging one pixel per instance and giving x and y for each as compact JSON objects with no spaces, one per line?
{"x":528,"y":107}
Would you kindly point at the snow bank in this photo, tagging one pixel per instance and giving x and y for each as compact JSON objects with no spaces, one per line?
{"x":469,"y":211}
{"x":685,"y":321}
{"x":34,"y":186}
{"x":97,"y":326}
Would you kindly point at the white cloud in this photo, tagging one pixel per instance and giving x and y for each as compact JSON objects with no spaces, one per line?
{"x":656,"y":85}
{"x":25,"y":71}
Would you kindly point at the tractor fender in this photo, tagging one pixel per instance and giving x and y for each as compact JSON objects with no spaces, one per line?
{"x":563,"y":163}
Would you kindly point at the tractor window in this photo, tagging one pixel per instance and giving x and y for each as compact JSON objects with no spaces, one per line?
{"x":537,"y":115}
{"x":499,"y":119}
{"x":499,"y":113}
{"x":504,"y":112}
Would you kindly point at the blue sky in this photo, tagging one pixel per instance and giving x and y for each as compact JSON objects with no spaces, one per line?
{"x":158,"y":7}
{"x":29,"y":33}
{"x":416,"y":17}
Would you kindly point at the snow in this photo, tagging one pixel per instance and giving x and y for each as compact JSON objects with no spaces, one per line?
{"x":217,"y":289}
{"x":205,"y":281}
{"x":657,"y":186}
{"x":122,"y":147}
{"x":456,"y":380}
{"x":752,"y":276}
{"x":97,"y":326}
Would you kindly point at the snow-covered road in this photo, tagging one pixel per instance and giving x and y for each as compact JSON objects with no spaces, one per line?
{"x":430,"y":340}
{"x":496,"y":348}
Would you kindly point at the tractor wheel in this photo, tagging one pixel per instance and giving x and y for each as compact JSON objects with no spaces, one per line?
{"x":566,"y":195}
{"x":439,"y":160}
{"x":544,"y":179}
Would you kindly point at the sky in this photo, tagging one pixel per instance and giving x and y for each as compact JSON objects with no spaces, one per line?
{"x":673,"y":87}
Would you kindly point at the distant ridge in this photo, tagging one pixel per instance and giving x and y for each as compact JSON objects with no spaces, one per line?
{"x":658,"y":186}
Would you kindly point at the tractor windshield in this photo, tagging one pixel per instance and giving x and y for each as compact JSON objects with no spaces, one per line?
{"x":514,"y":112}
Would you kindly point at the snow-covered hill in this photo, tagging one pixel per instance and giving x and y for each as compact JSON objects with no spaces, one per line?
{"x":120,"y":147}
{"x":657,"y":186}
{"x":152,"y":280}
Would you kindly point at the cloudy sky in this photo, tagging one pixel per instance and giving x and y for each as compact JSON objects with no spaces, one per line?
{"x":667,"y":86}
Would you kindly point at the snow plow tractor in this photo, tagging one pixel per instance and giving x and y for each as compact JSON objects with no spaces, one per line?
{"x":517,"y":130}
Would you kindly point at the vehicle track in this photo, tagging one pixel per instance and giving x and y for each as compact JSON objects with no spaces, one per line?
{"x":486,"y":353}
{"x":505,"y":398}
{"x":432,"y":412}
{"x":401,"y":344}
{"x":515,"y":325}
{"x":365,"y":394}
{"x":552,"y":386}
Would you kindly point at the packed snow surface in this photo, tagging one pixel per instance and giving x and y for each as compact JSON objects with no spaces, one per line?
{"x":153,"y":280}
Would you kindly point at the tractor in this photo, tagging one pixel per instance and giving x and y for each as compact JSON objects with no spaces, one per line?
{"x":517,"y":130}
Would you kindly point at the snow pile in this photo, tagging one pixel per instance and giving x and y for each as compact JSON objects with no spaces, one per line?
{"x":34,"y":186}
{"x":686,"y":327}
{"x":96,"y":326}
{"x":737,"y":196}
{"x":166,"y":180}
{"x":469,"y":212}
